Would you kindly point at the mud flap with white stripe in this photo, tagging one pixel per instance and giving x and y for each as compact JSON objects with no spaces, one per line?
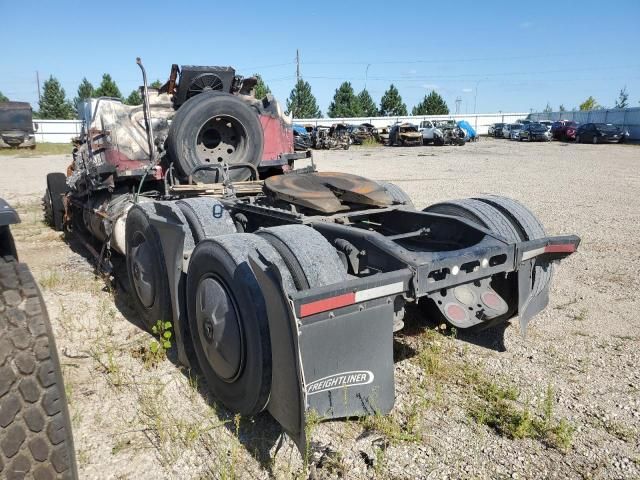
{"x":335,"y":364}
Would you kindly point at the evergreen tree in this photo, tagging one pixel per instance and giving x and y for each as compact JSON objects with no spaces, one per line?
{"x":561,"y":108}
{"x":432,"y":104}
{"x":261,"y":89}
{"x":345,"y":103}
{"x":589,"y":104}
{"x":301,"y":102}
{"x":54,"y":104}
{"x":155,"y":84}
{"x":3,"y":98}
{"x":134,"y":98}
{"x":367,"y":105}
{"x":623,"y":98}
{"x":391,"y":103}
{"x":85,"y":92}
{"x":108,"y":88}
{"x":548,"y":108}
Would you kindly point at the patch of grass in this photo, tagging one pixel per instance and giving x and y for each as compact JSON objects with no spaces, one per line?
{"x":620,"y":431}
{"x":562,"y":306}
{"x":497,"y":408}
{"x":155,"y":352}
{"x":44,"y":148}
{"x":370,"y":142}
{"x":120,"y":446}
{"x":395,"y":427}
{"x":431,"y":355}
{"x":580,"y":316}
{"x":50,"y":280}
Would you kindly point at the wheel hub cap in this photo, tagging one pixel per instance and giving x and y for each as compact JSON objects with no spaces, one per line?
{"x":143,"y":274}
{"x":219,"y":329}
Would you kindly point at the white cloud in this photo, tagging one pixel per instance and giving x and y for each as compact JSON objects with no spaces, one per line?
{"x":467,"y":90}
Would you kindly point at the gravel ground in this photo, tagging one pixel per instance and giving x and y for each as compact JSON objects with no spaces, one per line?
{"x":562,"y":403}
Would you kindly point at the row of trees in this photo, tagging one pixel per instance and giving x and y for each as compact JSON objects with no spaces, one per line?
{"x":54,"y":103}
{"x":346,"y":103}
{"x":592,"y":104}
{"x":301,"y":102}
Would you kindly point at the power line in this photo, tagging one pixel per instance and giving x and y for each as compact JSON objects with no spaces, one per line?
{"x":438,"y":61}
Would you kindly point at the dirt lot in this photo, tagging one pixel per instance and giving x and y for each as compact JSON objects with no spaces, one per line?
{"x":562,"y":403}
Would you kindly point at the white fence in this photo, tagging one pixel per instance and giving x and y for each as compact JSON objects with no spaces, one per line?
{"x":480,"y":122}
{"x":56,"y":131}
{"x":628,"y":118}
{"x":62,"y":131}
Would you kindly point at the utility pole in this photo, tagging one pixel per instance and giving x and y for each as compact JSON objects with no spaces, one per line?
{"x":38,"y":82}
{"x":297,"y":83}
{"x":366,"y":74}
{"x":458,"y":102}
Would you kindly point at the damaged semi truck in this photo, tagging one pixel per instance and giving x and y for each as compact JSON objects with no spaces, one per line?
{"x":284,"y":289}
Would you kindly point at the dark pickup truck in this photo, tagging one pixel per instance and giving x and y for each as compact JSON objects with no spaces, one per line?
{"x":16,"y":125}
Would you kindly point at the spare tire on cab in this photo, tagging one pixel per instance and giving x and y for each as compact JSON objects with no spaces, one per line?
{"x":212,"y":128}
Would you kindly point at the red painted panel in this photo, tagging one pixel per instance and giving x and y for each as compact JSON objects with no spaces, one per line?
{"x":278,"y":137}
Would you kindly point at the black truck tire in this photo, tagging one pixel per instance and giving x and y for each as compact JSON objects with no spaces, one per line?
{"x":212,"y":128}
{"x":478,"y":212}
{"x":311,"y":259}
{"x":206,"y":217}
{"x":398,"y":195}
{"x":146,"y":268}
{"x":53,"y":204}
{"x":228,"y":319}
{"x":528,"y":227}
{"x":35,"y":435}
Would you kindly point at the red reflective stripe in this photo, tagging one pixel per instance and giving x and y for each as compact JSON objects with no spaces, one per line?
{"x":327,"y":304}
{"x":560,"y":248}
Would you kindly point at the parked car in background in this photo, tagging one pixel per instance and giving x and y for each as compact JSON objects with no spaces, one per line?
{"x":16,"y":125}
{"x":600,"y":133}
{"x":563,"y":130}
{"x":497,"y":129}
{"x":546,"y":123}
{"x":301,"y":138}
{"x":534,"y":132}
{"x":506,"y":130}
{"x":514,"y":132}
{"x":362,"y":133}
{"x":470,"y":132}
{"x":405,"y":134}
{"x":570,"y":131}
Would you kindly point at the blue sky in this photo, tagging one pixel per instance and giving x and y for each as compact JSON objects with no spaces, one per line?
{"x":519,"y":55}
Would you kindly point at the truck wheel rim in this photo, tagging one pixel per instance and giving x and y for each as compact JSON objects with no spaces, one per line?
{"x":219,"y":328}
{"x":221,"y":139}
{"x":143,"y":271}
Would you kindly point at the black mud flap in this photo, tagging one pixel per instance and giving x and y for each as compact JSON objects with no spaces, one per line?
{"x":335,"y":365}
{"x":529,"y":305}
{"x":171,"y":232}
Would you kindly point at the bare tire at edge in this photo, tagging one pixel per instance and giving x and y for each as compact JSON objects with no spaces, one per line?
{"x":35,"y":436}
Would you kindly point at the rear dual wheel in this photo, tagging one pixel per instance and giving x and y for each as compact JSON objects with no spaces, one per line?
{"x":227,"y":311}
